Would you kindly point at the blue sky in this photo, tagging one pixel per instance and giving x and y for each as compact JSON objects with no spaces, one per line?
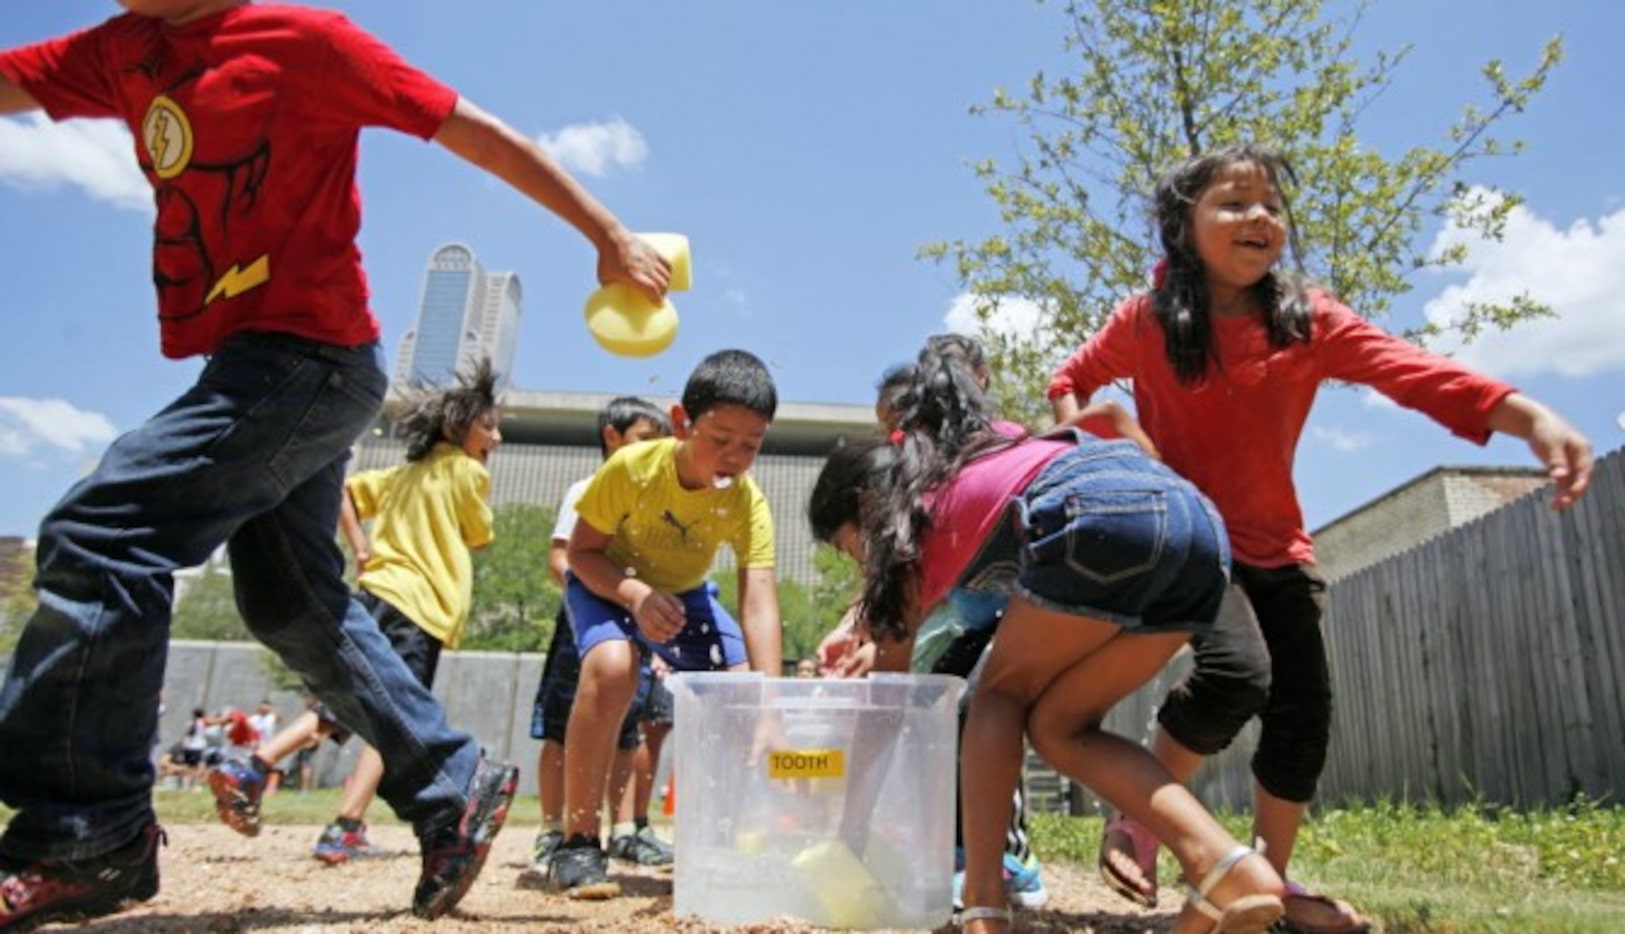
{"x":807,"y":149}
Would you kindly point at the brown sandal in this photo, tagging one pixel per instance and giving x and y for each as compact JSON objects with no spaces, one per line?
{"x":1142,"y":848}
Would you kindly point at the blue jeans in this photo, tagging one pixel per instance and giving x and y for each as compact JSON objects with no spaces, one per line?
{"x":253,"y":456}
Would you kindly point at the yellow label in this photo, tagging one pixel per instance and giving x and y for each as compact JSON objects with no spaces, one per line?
{"x":807,"y":763}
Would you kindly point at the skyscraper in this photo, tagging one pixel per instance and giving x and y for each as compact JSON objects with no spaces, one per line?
{"x":465,"y":313}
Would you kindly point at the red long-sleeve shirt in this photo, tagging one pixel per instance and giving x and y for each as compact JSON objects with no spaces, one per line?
{"x":1235,"y":434}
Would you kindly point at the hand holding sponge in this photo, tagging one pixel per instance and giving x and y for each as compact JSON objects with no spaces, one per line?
{"x":624,"y":321}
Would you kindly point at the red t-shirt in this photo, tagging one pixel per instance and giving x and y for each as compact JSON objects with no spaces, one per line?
{"x":1236,"y":433}
{"x":246,"y":124}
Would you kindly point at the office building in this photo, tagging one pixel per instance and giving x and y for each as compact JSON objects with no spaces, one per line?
{"x":465,"y":313}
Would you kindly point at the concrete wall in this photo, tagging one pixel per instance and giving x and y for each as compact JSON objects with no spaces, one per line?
{"x":487,"y":693}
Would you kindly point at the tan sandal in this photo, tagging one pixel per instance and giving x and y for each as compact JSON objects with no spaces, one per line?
{"x":965,"y":916}
{"x":1249,"y":914}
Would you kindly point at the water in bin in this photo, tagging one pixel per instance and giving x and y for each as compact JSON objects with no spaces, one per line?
{"x":827,"y":801}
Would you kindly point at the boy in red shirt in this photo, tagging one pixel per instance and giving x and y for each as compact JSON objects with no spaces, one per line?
{"x":246,"y":121}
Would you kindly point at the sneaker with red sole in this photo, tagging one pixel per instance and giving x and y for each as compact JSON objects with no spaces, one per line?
{"x":453,"y":856}
{"x":41,"y":892}
{"x":238,"y":787}
{"x":337,"y":845}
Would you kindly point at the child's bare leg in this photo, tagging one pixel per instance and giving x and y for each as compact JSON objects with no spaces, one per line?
{"x":305,"y":730}
{"x":550,"y":781}
{"x":363,"y":784}
{"x":618,"y":795}
{"x":1065,"y":730}
{"x":609,"y":673}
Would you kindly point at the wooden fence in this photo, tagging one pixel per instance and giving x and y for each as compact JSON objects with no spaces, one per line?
{"x":1485,"y":664}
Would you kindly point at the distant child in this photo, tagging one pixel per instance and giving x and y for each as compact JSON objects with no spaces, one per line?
{"x":649,"y":527}
{"x":1107,"y":561}
{"x":246,"y":121}
{"x":1226,"y":353}
{"x":624,"y":420}
{"x":416,"y":580}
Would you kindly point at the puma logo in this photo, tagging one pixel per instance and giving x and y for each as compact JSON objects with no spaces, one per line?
{"x":676,"y":523}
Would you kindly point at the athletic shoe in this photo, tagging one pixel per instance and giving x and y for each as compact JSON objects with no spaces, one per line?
{"x":546,"y":842}
{"x":454,"y":855}
{"x":534,"y":876}
{"x":32,"y":894}
{"x":642,"y":848}
{"x":238,"y":787}
{"x":337,"y":845}
{"x":1022,"y":883}
{"x":579,"y":869}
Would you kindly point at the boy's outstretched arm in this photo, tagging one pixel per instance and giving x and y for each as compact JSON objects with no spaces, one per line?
{"x":494,"y":146}
{"x":13,"y":99}
{"x":760,"y":620}
{"x":1560,"y":447}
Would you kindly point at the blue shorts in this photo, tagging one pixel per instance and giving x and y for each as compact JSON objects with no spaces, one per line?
{"x":556,"y":694}
{"x":1109,"y":534}
{"x":710,"y":641}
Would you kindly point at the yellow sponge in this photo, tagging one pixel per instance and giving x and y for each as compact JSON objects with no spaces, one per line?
{"x":625,"y":321}
{"x":844,"y":886}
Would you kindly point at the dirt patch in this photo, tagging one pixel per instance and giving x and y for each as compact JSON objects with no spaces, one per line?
{"x":216,"y":882}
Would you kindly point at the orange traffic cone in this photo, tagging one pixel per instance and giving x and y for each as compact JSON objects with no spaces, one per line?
{"x":668,"y":802}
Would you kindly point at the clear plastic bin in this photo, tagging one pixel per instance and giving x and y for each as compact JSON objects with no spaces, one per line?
{"x":827,"y":801}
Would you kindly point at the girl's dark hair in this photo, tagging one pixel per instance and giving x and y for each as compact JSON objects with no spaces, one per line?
{"x":622,"y":412}
{"x":850,"y":475}
{"x":1180,"y":301}
{"x":447,"y":414}
{"x":945,"y":422}
{"x":895,"y":384}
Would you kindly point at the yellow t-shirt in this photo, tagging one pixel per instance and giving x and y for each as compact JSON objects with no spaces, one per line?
{"x":428,"y":514}
{"x":669,"y":535}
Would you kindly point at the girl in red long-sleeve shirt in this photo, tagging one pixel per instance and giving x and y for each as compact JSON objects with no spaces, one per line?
{"x":1226,"y":354}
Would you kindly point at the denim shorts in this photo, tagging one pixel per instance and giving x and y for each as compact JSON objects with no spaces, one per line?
{"x":711,"y":639}
{"x":1111,"y":535}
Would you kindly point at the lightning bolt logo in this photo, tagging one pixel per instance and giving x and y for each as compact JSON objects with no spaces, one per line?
{"x":238,"y":280}
{"x":167,"y":135}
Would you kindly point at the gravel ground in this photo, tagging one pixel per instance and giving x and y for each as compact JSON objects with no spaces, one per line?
{"x":216,"y":882}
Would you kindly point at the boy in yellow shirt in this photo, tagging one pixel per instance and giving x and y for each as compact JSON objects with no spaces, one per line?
{"x":648,"y":528}
{"x":416,"y":581}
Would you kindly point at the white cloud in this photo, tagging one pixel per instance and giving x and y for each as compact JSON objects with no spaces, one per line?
{"x":97,"y":156}
{"x":1340,"y":440}
{"x":1014,"y":317}
{"x":1579,"y":272}
{"x":595,"y":148}
{"x":27,"y":424}
{"x":1373,"y":399}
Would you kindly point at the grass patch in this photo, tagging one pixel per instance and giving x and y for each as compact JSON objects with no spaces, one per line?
{"x":1427,"y":870}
